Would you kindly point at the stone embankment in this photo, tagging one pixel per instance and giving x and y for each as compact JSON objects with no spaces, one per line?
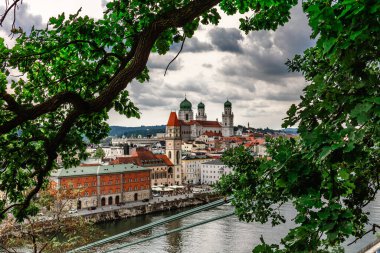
{"x":151,"y":207}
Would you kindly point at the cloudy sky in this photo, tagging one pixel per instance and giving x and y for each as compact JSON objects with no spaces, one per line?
{"x":216,"y":64}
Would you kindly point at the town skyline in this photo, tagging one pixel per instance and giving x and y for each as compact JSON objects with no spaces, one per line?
{"x":215,"y":64}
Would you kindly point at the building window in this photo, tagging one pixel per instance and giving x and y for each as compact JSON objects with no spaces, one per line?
{"x":79,"y":185}
{"x":130,"y":188}
{"x":93,"y":183}
{"x":86,"y":194}
{"x":85,"y":184}
{"x":110,"y":191}
{"x":93,"y":193}
{"x":136,"y":188}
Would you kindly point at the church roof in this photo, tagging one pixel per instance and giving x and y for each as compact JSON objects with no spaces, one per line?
{"x":212,"y":134}
{"x":201,"y":105}
{"x":205,"y":123}
{"x":173,"y":120}
{"x":185,"y":105}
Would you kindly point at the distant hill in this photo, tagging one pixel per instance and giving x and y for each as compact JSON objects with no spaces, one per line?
{"x":290,"y":130}
{"x":144,"y":131}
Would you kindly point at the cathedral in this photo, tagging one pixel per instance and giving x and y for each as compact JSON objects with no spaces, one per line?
{"x":191,"y":129}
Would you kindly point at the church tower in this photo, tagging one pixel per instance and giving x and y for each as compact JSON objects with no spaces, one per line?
{"x":173,"y":145}
{"x":228,"y":120}
{"x":185,"y":111}
{"x":201,"y":112}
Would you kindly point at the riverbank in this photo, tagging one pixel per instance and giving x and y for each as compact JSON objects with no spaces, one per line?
{"x":152,"y":206}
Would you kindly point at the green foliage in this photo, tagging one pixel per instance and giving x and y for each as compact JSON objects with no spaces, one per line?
{"x":332,"y":171}
{"x":80,"y":59}
{"x":99,"y":153}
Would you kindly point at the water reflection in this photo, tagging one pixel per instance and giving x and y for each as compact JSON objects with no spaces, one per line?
{"x":221,"y":236}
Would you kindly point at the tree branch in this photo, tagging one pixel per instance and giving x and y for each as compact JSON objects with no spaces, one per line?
{"x":373,"y":230}
{"x":131,"y":66}
{"x":8,"y":9}
{"x":180,"y":50}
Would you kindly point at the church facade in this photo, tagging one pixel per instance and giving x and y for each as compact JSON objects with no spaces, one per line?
{"x":191,"y":129}
{"x":184,"y":128}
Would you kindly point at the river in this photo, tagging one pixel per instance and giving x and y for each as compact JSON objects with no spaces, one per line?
{"x":221,"y":236}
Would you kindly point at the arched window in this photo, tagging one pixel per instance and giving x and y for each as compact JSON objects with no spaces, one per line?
{"x":187,"y":116}
{"x":170,"y":155}
{"x":177,"y":157}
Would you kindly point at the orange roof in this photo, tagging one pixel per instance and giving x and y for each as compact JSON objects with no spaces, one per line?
{"x":211,"y":134}
{"x":143,"y":157}
{"x":173,"y":120}
{"x":206,"y":123}
{"x":165,"y":159}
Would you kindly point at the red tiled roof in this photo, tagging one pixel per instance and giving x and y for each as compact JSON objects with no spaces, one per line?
{"x":143,"y":154}
{"x":125,"y":160}
{"x":165,"y":159}
{"x":211,"y":134}
{"x":173,"y":120}
{"x":206,"y":123}
{"x":143,"y":157}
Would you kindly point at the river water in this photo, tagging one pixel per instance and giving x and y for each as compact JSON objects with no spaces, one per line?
{"x":221,"y":236}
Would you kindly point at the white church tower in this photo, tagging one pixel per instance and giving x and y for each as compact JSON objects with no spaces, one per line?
{"x":228,"y":120}
{"x":201,"y":115}
{"x":185,"y":111}
{"x":173,"y":146}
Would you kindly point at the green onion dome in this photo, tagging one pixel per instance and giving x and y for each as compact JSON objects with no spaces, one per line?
{"x":185,"y":105}
{"x":201,"y":105}
{"x":227,"y":104}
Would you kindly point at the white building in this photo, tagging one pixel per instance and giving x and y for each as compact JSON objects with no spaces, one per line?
{"x":212,"y":171}
{"x":191,"y":168}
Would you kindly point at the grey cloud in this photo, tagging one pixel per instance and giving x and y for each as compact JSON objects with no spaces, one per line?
{"x":283,"y":96}
{"x":265,"y":53}
{"x":226,"y":39}
{"x":207,"y":65}
{"x":161,"y":62}
{"x":23,"y":19}
{"x":193,"y":45}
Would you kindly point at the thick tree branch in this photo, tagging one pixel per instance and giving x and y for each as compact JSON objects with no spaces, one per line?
{"x":138,"y":56}
{"x":131,"y":66}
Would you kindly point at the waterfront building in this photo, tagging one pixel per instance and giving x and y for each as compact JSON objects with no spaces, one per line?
{"x":162,"y":169}
{"x":191,"y":168}
{"x":98,"y":186}
{"x":212,"y":171}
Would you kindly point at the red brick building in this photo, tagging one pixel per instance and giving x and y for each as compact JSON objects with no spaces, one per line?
{"x":104,"y":185}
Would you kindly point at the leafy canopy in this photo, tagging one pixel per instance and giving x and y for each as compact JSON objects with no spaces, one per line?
{"x":332,"y":171}
{"x":77,"y":69}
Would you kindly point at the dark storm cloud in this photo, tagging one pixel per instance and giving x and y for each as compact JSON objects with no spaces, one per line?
{"x":161,"y":62}
{"x":226,"y":39}
{"x":161,"y":94}
{"x":192,"y":45}
{"x":24,"y":19}
{"x":265,"y":52}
